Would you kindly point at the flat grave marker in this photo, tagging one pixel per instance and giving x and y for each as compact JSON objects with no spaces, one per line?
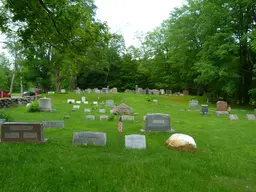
{"x":53,"y":124}
{"x":233,"y":117}
{"x":127,"y":118}
{"x":135,"y":141}
{"x":103,"y":117}
{"x":90,"y":138}
{"x":250,"y":117}
{"x":87,"y":110}
{"x":90,"y":117}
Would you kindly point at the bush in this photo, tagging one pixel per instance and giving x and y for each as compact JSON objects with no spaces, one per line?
{"x":34,"y":107}
{"x":111,"y":117}
{"x":148,"y":99}
{"x":4,"y":115}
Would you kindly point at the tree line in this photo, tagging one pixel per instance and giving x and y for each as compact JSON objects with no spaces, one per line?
{"x":206,"y":46}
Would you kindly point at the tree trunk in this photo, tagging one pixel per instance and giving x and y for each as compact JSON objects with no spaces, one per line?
{"x":57,"y":80}
{"x":12,"y":82}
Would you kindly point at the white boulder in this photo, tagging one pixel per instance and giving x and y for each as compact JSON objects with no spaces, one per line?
{"x":181,"y":142}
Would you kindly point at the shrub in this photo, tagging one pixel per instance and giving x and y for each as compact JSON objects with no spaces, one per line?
{"x":149,"y":99}
{"x":6,"y":116}
{"x":111,"y":117}
{"x":34,"y":107}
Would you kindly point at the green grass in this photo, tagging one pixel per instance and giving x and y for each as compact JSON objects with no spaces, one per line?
{"x":225,"y":159}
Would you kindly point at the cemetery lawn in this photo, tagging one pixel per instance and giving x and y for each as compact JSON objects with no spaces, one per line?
{"x":225,"y":159}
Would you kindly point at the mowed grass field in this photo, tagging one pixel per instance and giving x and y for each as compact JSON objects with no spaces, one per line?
{"x":225,"y":159}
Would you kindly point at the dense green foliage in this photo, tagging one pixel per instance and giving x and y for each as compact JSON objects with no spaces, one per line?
{"x":224,"y":160}
{"x":206,"y":46}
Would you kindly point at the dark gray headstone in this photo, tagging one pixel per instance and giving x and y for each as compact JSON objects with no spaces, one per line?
{"x":53,"y":124}
{"x":204,"y":109}
{"x":168,"y":92}
{"x":135,"y":141}
{"x":158,"y":123}
{"x":90,"y":138}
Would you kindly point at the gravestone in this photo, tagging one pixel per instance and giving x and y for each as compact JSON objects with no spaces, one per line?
{"x":86,"y":102}
{"x":53,"y":124}
{"x":83,"y":99}
{"x":2,"y":121}
{"x":90,"y":117}
{"x":104,"y":90}
{"x":222,"y":108}
{"x":87,"y":110}
{"x":71,"y":101}
{"x":127,"y":118}
{"x":250,"y":117}
{"x":168,"y":92}
{"x":90,"y":138}
{"x":114,"y":90}
{"x":233,"y":117}
{"x":110,"y":103}
{"x":193,"y":104}
{"x":28,"y":105}
{"x":158,"y":123}
{"x":51,"y":92}
{"x":144,"y":117}
{"x":102,"y":110}
{"x":155,"y":101}
{"x":185,"y":92}
{"x":204,"y":109}
{"x":111,"y":111}
{"x":103,"y":117}
{"x":63,"y":90}
{"x":76,"y":107}
{"x":135,"y":141}
{"x":22,"y":132}
{"x":162,"y":91}
{"x":95,"y":102}
{"x":66,"y":117}
{"x":78,"y":102}
{"x":45,"y":104}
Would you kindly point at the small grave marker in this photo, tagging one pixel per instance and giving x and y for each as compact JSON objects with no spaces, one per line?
{"x":76,"y":107}
{"x":53,"y":124}
{"x":110,"y":103}
{"x":83,"y":99}
{"x":127,"y":118}
{"x":135,"y":141}
{"x":87,"y":110}
{"x":86,"y":102}
{"x":90,"y":117}
{"x":155,"y":101}
{"x":90,"y":138}
{"x":78,"y":102}
{"x":233,"y":117}
{"x":193,"y":104}
{"x":63,"y":90}
{"x":71,"y":101}
{"x":95,"y":102}
{"x":250,"y":117}
{"x":66,"y":117}
{"x":51,"y":92}
{"x":102,"y":110}
{"x":103,"y":117}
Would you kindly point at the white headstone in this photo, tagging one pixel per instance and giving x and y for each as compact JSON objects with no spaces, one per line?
{"x":103,"y":117}
{"x":87,"y":110}
{"x":102,"y":110}
{"x":83,"y":99}
{"x":95,"y":103}
{"x":90,"y":117}
{"x":78,"y":102}
{"x":233,"y":117}
{"x":86,"y":102}
{"x":155,"y":101}
{"x":135,"y":141}
{"x":71,"y":101}
{"x":75,"y":107}
{"x":45,"y":104}
{"x":63,"y":90}
{"x":51,"y":92}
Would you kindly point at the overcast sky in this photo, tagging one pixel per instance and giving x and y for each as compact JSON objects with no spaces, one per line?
{"x":130,"y":16}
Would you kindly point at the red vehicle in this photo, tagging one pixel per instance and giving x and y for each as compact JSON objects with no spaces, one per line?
{"x":3,"y":94}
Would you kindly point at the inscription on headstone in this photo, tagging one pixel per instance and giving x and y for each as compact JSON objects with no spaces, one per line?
{"x":90,"y":138}
{"x":135,"y":141}
{"x":22,"y":132}
{"x":53,"y":124}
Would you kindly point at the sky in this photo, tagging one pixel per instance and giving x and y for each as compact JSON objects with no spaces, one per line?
{"x":130,"y":16}
{"x":127,"y":17}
